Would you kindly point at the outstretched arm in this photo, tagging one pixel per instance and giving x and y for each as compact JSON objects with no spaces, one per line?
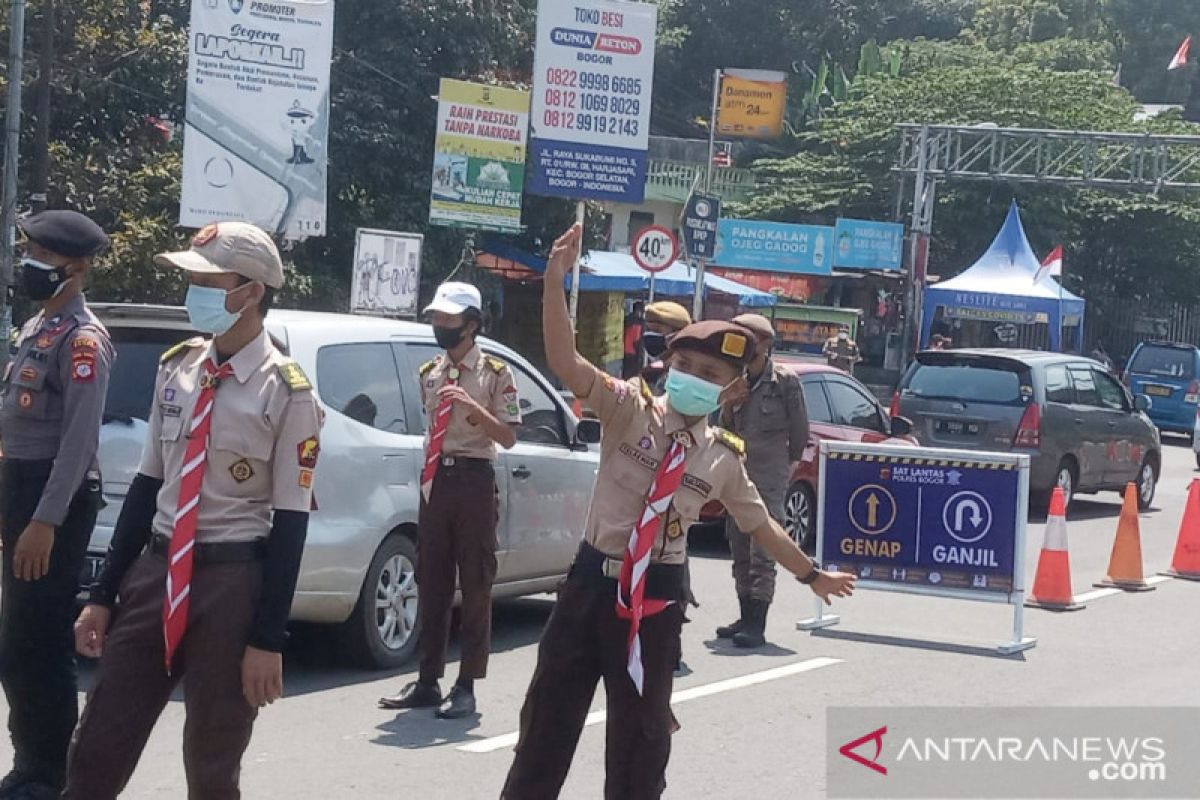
{"x":563,"y":359}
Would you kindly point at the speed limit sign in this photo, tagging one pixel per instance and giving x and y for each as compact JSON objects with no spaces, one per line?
{"x":655,"y":248}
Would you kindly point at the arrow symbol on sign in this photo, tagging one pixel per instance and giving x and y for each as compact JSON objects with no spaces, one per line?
{"x":872,"y":511}
{"x":976,"y":514}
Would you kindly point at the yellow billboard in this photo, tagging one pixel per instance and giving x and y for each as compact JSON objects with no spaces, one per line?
{"x":751,"y":104}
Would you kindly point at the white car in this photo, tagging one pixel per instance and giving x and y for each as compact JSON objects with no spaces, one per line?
{"x":358,"y":567}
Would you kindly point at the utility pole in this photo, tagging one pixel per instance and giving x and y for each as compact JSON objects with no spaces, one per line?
{"x":41,"y":142}
{"x":12,"y":146}
{"x":698,"y":297}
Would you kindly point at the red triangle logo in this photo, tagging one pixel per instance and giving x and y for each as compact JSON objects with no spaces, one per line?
{"x":874,"y":736}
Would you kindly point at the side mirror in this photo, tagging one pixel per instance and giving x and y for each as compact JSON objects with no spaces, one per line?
{"x":901,"y":426}
{"x":587,"y":431}
{"x":1143,"y":403}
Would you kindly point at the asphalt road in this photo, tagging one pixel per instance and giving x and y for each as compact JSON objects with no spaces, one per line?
{"x":753,"y":723}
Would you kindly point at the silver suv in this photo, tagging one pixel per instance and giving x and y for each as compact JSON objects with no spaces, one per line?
{"x":358,"y":568}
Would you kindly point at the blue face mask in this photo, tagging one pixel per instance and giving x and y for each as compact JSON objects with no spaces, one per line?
{"x":692,"y":396}
{"x":206,"y":310}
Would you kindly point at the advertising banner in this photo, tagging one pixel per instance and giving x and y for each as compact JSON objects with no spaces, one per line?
{"x":775,"y":246}
{"x":592,"y":82}
{"x":255,"y":146}
{"x":752,"y":104}
{"x":479,"y":157}
{"x":387,"y":273}
{"x":868,"y":245}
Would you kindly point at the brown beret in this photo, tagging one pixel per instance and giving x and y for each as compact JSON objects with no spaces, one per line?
{"x":716,"y":338}
{"x":757,"y":324}
{"x":667,"y":313}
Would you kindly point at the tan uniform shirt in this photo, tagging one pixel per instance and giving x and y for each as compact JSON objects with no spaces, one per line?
{"x":490,"y":383}
{"x":842,"y":354}
{"x":262,"y":448}
{"x":638,"y":430}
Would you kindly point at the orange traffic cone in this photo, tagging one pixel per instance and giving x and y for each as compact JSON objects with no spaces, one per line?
{"x":1186,"y":562}
{"x":1125,"y":565}
{"x":1052,"y":585}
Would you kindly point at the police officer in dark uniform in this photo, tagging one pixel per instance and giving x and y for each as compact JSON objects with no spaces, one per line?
{"x":51,"y":406}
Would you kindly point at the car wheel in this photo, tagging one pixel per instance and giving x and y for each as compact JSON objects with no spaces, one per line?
{"x":1147,"y":480}
{"x":1066,"y":480}
{"x":382,"y":632}
{"x":800,"y":517}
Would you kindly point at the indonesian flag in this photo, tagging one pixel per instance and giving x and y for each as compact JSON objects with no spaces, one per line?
{"x":1052,"y":266}
{"x":1181,"y":56}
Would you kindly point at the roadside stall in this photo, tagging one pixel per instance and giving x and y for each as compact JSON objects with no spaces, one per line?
{"x":1005,"y":300}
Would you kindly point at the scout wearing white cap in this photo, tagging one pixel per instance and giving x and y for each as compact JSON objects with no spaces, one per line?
{"x":230,"y":247}
{"x":455,"y":298}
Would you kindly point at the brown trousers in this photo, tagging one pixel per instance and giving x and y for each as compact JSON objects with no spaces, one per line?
{"x":585,"y":641}
{"x":132,"y":686}
{"x":457,"y":533}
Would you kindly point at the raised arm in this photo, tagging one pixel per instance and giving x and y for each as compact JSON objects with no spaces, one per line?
{"x":563,"y":359}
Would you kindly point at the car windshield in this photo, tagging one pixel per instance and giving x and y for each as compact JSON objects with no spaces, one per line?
{"x":1165,"y":362}
{"x":969,"y":383}
{"x":131,"y":384}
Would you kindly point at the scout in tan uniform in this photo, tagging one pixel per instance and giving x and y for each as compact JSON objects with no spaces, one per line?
{"x":199,"y":578}
{"x":471,"y":405}
{"x":664,"y":319}
{"x":50,"y":414}
{"x":841,"y":351}
{"x":616,"y":617}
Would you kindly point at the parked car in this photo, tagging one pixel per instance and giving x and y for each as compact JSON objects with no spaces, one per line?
{"x":358,"y":567}
{"x":1082,"y":429}
{"x":1169,"y":373}
{"x":1196,"y":437}
{"x":840,"y":409}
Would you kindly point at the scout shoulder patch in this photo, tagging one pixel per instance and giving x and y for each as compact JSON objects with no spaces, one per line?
{"x":428,"y":366}
{"x":181,"y":348}
{"x":497,"y":366}
{"x":731,"y":440}
{"x":294,"y":377}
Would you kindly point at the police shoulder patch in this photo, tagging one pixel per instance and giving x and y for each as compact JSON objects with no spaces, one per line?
{"x":428,"y":366}
{"x":294,"y":377}
{"x":497,"y":366}
{"x":181,"y":348}
{"x":731,"y":440}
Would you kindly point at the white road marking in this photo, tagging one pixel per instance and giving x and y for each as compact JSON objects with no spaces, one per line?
{"x":510,"y":739}
{"x":1153,"y":580}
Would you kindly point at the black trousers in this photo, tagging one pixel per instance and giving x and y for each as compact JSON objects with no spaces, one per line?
{"x":37,"y":645}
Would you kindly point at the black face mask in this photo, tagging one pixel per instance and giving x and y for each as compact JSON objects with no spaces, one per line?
{"x":449,"y":338}
{"x":41,"y":284}
{"x":655,"y":344}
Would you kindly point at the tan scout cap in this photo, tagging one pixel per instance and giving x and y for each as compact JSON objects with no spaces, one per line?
{"x":230,"y":247}
{"x":665,"y":312}
{"x":757,"y":324}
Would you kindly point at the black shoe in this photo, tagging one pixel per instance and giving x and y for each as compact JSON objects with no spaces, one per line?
{"x":753,"y":630}
{"x":11,"y":783}
{"x":727,"y":631}
{"x":415,"y":695}
{"x":459,"y":703}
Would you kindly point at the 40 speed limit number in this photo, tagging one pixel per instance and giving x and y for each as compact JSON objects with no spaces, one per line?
{"x":655,"y":248}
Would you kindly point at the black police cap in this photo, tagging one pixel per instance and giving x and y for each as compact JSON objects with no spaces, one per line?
{"x":67,"y":233}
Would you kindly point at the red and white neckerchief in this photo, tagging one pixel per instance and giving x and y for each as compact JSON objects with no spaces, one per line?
{"x":632,"y":603}
{"x":183,"y":538}
{"x":437,"y":435}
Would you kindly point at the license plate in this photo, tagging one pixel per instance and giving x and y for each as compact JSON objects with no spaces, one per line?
{"x":956,"y":428}
{"x":1159,"y":391}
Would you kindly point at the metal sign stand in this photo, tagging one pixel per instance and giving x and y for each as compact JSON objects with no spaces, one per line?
{"x":1016,"y":597}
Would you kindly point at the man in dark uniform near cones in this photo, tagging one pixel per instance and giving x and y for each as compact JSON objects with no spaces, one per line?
{"x":617,"y":615}
{"x":471,"y":405}
{"x":53,"y":403}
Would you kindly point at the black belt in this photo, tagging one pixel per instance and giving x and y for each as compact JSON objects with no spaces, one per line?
{"x":663,"y":581}
{"x":215,"y":552}
{"x":464,"y":462}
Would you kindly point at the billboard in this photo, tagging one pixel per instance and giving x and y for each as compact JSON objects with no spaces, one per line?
{"x":751,"y":104}
{"x":255,"y":141}
{"x":387,"y":273}
{"x":479,"y":157}
{"x":868,"y":245}
{"x":775,"y":246}
{"x":592,"y":80}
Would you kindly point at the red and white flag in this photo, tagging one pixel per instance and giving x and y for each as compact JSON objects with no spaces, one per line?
{"x":1181,"y":56}
{"x":723,"y":155}
{"x":1051,"y":266}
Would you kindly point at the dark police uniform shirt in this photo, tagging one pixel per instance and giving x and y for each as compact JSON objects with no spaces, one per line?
{"x":52,"y":400}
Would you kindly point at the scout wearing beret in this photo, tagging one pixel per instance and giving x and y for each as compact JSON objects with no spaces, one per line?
{"x":51,"y":407}
{"x":198,"y":580}
{"x":471,"y":405}
{"x":766,"y":409}
{"x":617,"y":617}
{"x":663,"y":320}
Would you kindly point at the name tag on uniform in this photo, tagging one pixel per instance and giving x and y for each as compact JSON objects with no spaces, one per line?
{"x":169,"y":410}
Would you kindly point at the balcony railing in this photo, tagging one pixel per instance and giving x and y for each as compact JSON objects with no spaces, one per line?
{"x":671,"y":181}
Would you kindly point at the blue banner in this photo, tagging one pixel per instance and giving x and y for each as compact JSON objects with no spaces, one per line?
{"x":775,"y":247}
{"x":868,"y":245}
{"x":592,"y":172}
{"x":933,"y":523}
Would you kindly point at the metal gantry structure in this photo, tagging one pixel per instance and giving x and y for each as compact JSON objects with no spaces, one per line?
{"x":1080,"y":159}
